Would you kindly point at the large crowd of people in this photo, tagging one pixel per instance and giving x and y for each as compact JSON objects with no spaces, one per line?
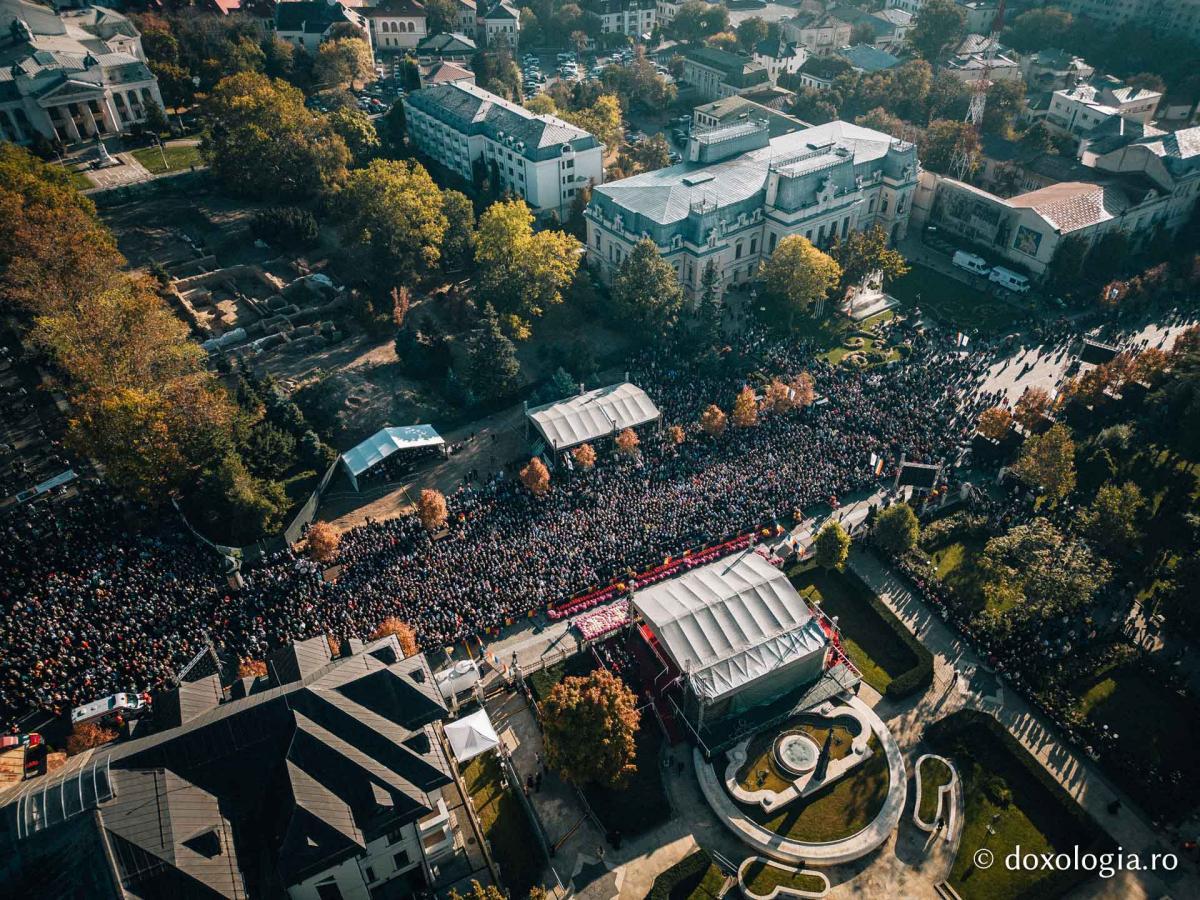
{"x":92,"y":603}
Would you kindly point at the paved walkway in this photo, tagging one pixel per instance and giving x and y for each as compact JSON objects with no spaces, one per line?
{"x":1078,"y":776}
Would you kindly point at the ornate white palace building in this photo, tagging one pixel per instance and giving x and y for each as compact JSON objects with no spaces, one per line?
{"x":70,"y":75}
{"x":738,"y":192}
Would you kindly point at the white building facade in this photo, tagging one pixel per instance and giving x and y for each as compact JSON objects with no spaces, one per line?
{"x":71,"y":76}
{"x":397,"y":24}
{"x":739,"y":192}
{"x":539,"y":158}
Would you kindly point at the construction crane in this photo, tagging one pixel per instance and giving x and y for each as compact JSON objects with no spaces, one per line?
{"x":960,"y":165}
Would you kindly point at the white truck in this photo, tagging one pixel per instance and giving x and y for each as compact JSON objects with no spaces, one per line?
{"x":1006,"y":278}
{"x":976,"y":265}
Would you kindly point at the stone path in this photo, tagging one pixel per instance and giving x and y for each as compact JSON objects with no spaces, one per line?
{"x":1078,"y":776}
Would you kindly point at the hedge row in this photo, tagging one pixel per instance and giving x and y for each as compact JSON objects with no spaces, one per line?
{"x":693,"y":866}
{"x":920,"y":676}
{"x":943,"y":736}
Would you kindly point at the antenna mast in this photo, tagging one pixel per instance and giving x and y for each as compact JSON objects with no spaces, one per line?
{"x":960,"y":165}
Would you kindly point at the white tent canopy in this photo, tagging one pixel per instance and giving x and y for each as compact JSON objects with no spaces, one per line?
{"x":592,"y":415}
{"x":471,"y":735}
{"x":730,"y":622}
{"x":384,"y":443}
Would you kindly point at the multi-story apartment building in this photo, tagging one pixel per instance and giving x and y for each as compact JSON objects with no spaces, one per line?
{"x":633,"y":18}
{"x":540,"y":158}
{"x":501,"y":26}
{"x":70,"y":75}
{"x":306,"y":23}
{"x":1079,"y":109}
{"x":397,"y":24}
{"x":717,"y":73}
{"x":818,"y":33}
{"x":739,"y":191}
{"x":1177,"y":18}
{"x":325,"y":778}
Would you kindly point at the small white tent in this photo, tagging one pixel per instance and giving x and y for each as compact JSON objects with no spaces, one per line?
{"x":471,"y":735}
{"x":384,"y":443}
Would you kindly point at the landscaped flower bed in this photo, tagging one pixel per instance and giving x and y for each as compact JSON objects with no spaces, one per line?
{"x":763,"y":879}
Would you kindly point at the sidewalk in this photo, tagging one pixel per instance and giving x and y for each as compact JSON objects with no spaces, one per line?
{"x":1078,"y":776}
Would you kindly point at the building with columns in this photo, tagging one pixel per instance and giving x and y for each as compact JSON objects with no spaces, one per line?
{"x":739,"y":191}
{"x":70,"y":75}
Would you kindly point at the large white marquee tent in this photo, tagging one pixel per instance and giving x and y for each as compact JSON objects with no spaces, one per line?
{"x":737,"y":629}
{"x":592,"y":415}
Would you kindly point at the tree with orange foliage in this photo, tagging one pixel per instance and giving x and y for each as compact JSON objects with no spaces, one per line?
{"x":335,"y":646}
{"x":431,"y":507}
{"x":713,"y":421}
{"x":1032,"y":407}
{"x":251,"y":668}
{"x":584,"y":456}
{"x":88,"y":735}
{"x":745,"y":408}
{"x":1148,"y":365}
{"x":536,"y":477}
{"x":1188,"y":339}
{"x":777,"y":397}
{"x":803,"y":391}
{"x":627,"y":442}
{"x":405,"y":634}
{"x":590,"y":726}
{"x":676,"y":434}
{"x":323,"y":542}
{"x":994,"y":423}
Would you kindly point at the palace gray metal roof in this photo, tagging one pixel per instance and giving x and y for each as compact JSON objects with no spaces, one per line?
{"x":665,"y":196}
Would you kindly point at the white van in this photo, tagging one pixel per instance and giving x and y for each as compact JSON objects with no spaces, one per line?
{"x":976,"y":265}
{"x":1006,"y":278}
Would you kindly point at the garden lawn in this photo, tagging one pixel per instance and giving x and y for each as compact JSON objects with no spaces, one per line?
{"x":1156,"y":727}
{"x":837,"y":354}
{"x":642,"y":804}
{"x":762,"y":878}
{"x":505,"y":825}
{"x":1002,"y":793}
{"x":80,"y":181}
{"x":869,"y":641}
{"x":844,"y":808}
{"x":178,"y":157}
{"x":956,"y":565}
{"x":952,"y":302}
{"x":760,"y":754}
{"x":710,"y":885}
{"x":933,"y":774}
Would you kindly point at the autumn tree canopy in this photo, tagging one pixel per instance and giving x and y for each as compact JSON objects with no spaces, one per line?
{"x":584,"y":456}
{"x":745,"y":408}
{"x":589,"y":725}
{"x":713,"y":420}
{"x":1048,"y":461}
{"x":431,"y":507}
{"x":323,"y":542}
{"x":536,"y":477}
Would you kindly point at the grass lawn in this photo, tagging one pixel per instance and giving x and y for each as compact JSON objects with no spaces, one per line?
{"x":179,"y":157}
{"x":952,"y":302}
{"x":846,"y":807}
{"x":955,"y":565}
{"x":759,"y":773}
{"x":1156,"y":726}
{"x":867,"y":638}
{"x":837,"y":354}
{"x":762,"y":878}
{"x":933,"y":774}
{"x":1001,"y":793}
{"x":710,"y":885}
{"x":642,"y":804}
{"x":505,"y":825}
{"x":80,"y":181}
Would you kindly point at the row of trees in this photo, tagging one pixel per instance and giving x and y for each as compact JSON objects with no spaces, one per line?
{"x":144,"y":405}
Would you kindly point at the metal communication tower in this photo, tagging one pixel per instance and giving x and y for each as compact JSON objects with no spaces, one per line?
{"x":960,"y":165}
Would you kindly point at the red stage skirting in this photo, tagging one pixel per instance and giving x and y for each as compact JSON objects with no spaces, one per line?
{"x":671,"y":567}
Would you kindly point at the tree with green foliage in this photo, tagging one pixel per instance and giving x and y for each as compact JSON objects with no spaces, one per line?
{"x":940,"y":25}
{"x":493,"y":370}
{"x":865,"y":252}
{"x":392,"y":210}
{"x":1039,"y":573}
{"x":831,"y":546}
{"x":695,"y":20}
{"x":521,"y":271}
{"x":1066,"y":266}
{"x":1005,"y":101}
{"x":943,"y":139}
{"x":896,"y":529}
{"x":647,"y":155}
{"x":230,"y":500}
{"x":1112,"y":518}
{"x":882,"y":120}
{"x":458,"y":245}
{"x":358,"y":131}
{"x":261,"y":141}
{"x":646,"y":289}
{"x":751,"y":32}
{"x":442,"y":16}
{"x":1038,"y":28}
{"x":711,"y":309}
{"x":798,"y":275}
{"x":342,"y":62}
{"x":285,"y":226}
{"x":589,"y":726}
{"x":1047,"y":461}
